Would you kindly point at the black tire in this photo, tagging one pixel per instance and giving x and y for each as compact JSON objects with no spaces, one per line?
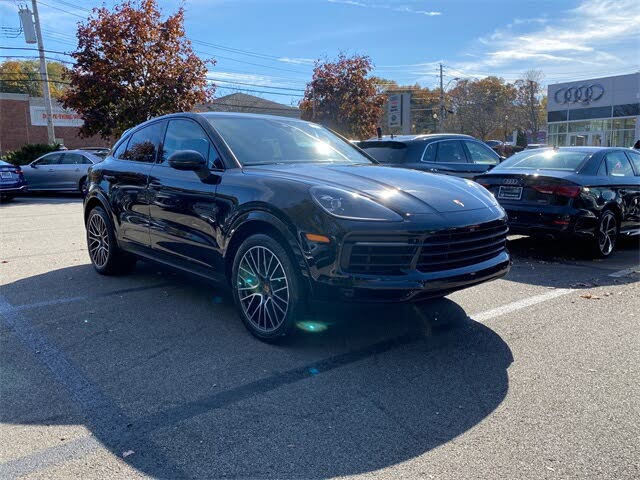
{"x":105,"y":255}
{"x":606,"y":235}
{"x":257,"y":277}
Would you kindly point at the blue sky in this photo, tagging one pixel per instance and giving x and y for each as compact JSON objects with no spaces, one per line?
{"x":271,"y":44}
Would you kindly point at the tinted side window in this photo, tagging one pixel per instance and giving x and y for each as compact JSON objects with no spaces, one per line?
{"x":121,"y":149}
{"x":618,"y":165}
{"x":635,"y":158}
{"x":72,"y":159}
{"x":430,"y":153}
{"x":188,"y":135}
{"x":144,"y":144}
{"x":52,"y":159}
{"x":478,"y":153}
{"x":602,"y":171}
{"x":450,"y":151}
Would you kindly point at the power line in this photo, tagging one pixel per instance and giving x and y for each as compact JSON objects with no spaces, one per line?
{"x":63,"y":10}
{"x":35,"y":50}
{"x":254,"y":85}
{"x":216,"y":103}
{"x":260,"y":91}
{"x":36,"y":57}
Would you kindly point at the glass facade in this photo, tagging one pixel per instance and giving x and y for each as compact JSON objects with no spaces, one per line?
{"x":606,"y":132}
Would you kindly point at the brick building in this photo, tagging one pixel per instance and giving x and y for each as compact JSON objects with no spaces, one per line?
{"x":22,"y":121}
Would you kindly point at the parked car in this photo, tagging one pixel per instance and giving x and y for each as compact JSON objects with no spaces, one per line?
{"x":534,"y":146}
{"x":288,"y":212}
{"x":586,"y":192}
{"x":101,"y":152}
{"x":494,"y":143}
{"x":60,"y":171}
{"x":12,"y":181}
{"x":450,"y":154}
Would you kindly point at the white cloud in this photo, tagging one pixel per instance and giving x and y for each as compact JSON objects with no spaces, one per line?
{"x":597,"y":36}
{"x":297,"y":61}
{"x":387,"y":6}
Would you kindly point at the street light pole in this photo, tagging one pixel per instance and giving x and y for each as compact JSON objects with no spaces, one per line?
{"x":44,"y":75}
{"x":441,"y":119}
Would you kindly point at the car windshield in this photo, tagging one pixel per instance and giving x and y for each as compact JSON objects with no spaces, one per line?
{"x":550,"y":159}
{"x":263,"y":141}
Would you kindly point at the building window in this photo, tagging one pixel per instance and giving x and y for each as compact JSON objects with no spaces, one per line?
{"x":557,"y":116}
{"x":626,"y":110}
{"x":586,"y":113}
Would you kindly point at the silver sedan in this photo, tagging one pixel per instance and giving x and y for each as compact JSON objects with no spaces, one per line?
{"x":60,"y":171}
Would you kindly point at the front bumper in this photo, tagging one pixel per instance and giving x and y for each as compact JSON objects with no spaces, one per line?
{"x":413,"y":286}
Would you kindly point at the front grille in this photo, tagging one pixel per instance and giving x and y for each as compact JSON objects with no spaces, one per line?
{"x":447,"y":250}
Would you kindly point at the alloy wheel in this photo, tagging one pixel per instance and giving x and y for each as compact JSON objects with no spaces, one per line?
{"x":98,"y":236}
{"x":607,"y":234}
{"x":263,"y":288}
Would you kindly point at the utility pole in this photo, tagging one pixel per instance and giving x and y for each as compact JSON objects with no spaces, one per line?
{"x":442,"y":110}
{"x":44,"y":76}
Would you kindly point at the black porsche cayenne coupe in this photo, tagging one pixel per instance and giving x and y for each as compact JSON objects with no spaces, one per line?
{"x":289,"y":213}
{"x":586,"y":193}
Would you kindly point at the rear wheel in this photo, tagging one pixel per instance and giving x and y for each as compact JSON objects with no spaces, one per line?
{"x":105,"y":255}
{"x":606,"y":235}
{"x":267,"y":288}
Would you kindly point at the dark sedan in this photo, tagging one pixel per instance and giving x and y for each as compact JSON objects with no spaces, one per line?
{"x":449,"y":154}
{"x":12,"y":181}
{"x":287,"y":212}
{"x":587,"y":192}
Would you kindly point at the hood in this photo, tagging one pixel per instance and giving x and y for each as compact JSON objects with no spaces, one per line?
{"x":404,"y":190}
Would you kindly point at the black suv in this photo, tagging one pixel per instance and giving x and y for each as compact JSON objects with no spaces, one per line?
{"x":450,"y":154}
{"x":287,"y":212}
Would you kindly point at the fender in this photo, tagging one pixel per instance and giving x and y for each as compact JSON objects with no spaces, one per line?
{"x":288,"y":232}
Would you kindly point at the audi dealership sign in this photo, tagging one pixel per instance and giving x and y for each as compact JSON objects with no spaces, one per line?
{"x":594,"y":93}
{"x":584,"y":94}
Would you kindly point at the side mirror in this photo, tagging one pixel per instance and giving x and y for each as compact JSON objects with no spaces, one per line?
{"x":187,"y":160}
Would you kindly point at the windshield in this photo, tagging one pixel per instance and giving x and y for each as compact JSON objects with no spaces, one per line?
{"x":263,"y":141}
{"x":546,"y":160}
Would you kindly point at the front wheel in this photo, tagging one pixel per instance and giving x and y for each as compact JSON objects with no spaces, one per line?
{"x":105,"y":255}
{"x":267,"y":287}
{"x":606,"y":235}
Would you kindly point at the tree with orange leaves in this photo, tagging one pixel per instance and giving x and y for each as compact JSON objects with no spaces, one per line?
{"x":131,"y":65}
{"x":341,"y":96}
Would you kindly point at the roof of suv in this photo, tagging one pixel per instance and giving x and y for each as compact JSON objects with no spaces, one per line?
{"x":418,"y":138}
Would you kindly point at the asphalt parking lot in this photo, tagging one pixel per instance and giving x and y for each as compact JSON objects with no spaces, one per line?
{"x":153,"y":375}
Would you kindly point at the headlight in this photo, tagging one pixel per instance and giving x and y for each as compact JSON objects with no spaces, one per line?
{"x":345,"y":204}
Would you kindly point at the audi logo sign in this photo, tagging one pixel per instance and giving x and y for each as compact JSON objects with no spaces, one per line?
{"x":580,"y":94}
{"x":510,"y":181}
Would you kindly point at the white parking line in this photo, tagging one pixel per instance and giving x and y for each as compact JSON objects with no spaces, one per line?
{"x":625,"y":272}
{"x":520,"y":304}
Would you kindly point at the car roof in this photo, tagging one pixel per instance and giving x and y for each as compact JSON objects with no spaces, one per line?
{"x":418,"y":138}
{"x":591,"y":150}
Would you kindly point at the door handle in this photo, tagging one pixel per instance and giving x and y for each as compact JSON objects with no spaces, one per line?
{"x":50,"y":170}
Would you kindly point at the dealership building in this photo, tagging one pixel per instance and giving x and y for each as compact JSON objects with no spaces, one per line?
{"x":598,"y":112}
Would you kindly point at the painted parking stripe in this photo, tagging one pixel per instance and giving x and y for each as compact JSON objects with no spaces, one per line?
{"x":625,"y":272}
{"x":520,"y":304}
